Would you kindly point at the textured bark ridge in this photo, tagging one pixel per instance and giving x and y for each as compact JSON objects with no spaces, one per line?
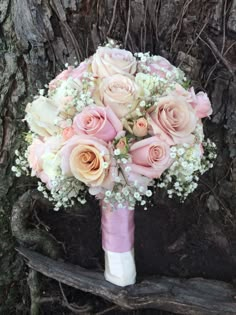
{"x":37,"y":37}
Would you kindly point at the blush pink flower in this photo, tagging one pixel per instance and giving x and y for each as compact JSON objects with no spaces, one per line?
{"x":109,"y":61}
{"x":150,"y":157}
{"x":173,"y":119}
{"x":99,"y":122}
{"x":84,"y":157}
{"x":68,"y":133}
{"x":39,"y":151}
{"x":36,"y":150}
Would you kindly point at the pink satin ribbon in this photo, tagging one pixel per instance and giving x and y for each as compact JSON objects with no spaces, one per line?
{"x":117,"y":229}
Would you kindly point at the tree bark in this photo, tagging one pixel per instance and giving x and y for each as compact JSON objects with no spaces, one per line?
{"x":37,"y":37}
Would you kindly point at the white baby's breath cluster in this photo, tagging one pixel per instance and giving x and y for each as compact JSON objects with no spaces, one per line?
{"x":171,"y":75}
{"x":21,"y":166}
{"x":123,"y":194}
{"x":85,"y":97}
{"x":182,"y":177}
{"x":64,"y":192}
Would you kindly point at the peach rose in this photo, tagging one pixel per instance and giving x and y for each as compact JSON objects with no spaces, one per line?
{"x":120,"y":93}
{"x":41,"y":116}
{"x":150,"y":157}
{"x":173,"y":119}
{"x":88,"y":159}
{"x":140,"y":128}
{"x":68,"y":133}
{"x":99,"y":122}
{"x":109,"y":61}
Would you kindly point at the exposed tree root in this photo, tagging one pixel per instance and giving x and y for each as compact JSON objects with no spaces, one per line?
{"x":25,"y":233}
{"x":193,"y":296}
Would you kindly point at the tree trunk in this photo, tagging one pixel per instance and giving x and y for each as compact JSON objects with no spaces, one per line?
{"x":37,"y":37}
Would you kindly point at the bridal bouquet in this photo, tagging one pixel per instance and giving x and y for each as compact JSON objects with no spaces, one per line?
{"x":117,"y":127}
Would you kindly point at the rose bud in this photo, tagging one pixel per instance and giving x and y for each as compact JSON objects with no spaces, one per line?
{"x":140,"y":128}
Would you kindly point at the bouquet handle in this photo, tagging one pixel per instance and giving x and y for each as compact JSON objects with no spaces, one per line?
{"x":118,"y":244}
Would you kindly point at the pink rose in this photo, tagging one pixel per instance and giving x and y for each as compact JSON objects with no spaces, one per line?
{"x":173,"y":119}
{"x":36,"y":150}
{"x":120,"y":93}
{"x":89,"y":160}
{"x":78,"y":72}
{"x":150,"y":157}
{"x":109,"y":61}
{"x":160,"y":66}
{"x":75,"y":73}
{"x":45,"y":179}
{"x":98,"y":122}
{"x":64,"y":75}
{"x":203,"y":105}
{"x":200,"y":101}
{"x":140,"y":128}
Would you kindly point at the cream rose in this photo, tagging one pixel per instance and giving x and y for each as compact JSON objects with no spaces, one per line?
{"x":109,"y":61}
{"x":120,"y":93}
{"x":88,"y":159}
{"x":41,"y":116}
{"x":173,"y":119}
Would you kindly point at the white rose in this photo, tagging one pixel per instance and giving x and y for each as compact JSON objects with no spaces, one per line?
{"x":41,"y":116}
{"x":51,"y":164}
